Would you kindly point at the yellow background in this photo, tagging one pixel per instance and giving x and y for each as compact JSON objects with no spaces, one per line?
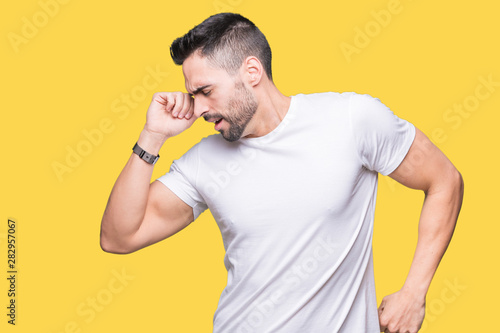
{"x":71,"y":73}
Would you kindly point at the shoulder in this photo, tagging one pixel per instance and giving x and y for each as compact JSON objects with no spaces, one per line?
{"x":338,"y":101}
{"x":329,"y":106}
{"x":330,"y":96}
{"x":208,"y":142}
{"x":191,"y":156}
{"x":212,"y":148}
{"x":366,"y":111}
{"x":214,"y":142}
{"x":324,"y":97}
{"x":363,"y":100}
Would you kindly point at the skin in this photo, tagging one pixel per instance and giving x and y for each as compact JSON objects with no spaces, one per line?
{"x":222,"y":89}
{"x":424,"y":168}
{"x":239,"y":110}
{"x":139,"y":214}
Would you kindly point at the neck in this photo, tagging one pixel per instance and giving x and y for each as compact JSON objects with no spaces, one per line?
{"x":273,"y":106}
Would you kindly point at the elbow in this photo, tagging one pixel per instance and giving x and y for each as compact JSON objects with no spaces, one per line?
{"x":448,"y":189}
{"x":107,"y":247}
{"x":456,"y":192}
{"x":449,"y":181}
{"x":458,"y":184}
{"x":457,"y":195}
{"x":110,"y":246}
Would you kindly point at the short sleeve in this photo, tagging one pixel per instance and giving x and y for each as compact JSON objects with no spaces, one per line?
{"x":181,"y":179}
{"x":382,"y":138}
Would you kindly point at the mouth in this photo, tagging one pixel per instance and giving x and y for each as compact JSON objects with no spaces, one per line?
{"x":218,"y":124}
{"x":216,"y":120}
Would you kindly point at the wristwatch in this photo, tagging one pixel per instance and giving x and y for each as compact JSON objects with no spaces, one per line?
{"x":151,"y":159}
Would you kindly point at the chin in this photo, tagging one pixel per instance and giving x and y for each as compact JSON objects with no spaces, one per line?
{"x":230,"y":139}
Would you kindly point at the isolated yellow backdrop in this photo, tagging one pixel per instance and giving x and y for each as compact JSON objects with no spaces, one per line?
{"x":76,"y":80}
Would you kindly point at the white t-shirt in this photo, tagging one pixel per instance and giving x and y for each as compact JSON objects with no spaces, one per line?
{"x":295,"y":208}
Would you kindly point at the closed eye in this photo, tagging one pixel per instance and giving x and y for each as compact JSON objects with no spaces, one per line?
{"x":203,"y":90}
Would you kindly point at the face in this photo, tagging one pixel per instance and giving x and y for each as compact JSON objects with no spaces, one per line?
{"x":219,"y":97}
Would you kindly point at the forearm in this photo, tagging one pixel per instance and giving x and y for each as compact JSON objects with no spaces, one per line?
{"x":436,"y":226}
{"x":128,"y":199}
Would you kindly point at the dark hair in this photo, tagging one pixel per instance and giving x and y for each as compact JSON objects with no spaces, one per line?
{"x":226,"y":39}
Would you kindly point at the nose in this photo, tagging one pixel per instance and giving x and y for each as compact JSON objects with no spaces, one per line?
{"x":200,"y":107}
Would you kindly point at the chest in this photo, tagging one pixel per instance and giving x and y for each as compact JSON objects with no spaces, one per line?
{"x":263,"y":188}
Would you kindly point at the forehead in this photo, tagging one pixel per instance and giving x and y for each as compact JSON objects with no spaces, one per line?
{"x":199,"y":72}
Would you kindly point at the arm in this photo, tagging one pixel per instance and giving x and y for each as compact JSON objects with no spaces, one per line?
{"x":138,"y":213}
{"x":425,"y":168}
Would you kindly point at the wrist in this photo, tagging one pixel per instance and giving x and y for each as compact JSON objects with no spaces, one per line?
{"x":151,"y":141}
{"x":417,"y":293}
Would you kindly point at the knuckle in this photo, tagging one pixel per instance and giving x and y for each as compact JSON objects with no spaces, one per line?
{"x":392,"y":328}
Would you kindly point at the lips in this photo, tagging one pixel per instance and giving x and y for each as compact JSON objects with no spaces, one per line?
{"x":218,"y":124}
{"x":216,"y":120}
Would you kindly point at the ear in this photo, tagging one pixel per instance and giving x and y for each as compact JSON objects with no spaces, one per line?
{"x":253,"y":70}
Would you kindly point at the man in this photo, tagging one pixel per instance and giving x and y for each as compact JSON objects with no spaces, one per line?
{"x":291,"y":183}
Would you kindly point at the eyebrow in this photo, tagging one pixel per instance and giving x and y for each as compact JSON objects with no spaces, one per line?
{"x":197,"y":91}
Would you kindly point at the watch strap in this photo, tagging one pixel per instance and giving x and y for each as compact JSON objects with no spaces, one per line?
{"x":149,"y":158}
